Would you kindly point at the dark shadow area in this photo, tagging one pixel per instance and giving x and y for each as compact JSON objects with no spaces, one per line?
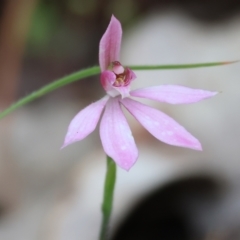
{"x":171,"y":212}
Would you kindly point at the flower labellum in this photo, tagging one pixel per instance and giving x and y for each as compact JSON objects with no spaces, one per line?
{"x":115,"y":133}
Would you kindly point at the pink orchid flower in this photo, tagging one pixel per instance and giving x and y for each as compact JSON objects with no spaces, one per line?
{"x":116,"y":136}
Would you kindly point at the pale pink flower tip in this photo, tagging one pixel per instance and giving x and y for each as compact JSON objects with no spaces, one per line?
{"x":115,"y":134}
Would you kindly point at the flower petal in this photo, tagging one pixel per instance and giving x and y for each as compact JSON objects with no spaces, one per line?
{"x":84,"y":122}
{"x":161,"y":126}
{"x":116,"y":136}
{"x":110,"y":44}
{"x":173,"y":94}
{"x":107,"y":79}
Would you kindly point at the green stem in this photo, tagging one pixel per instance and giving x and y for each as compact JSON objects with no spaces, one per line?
{"x":93,"y":71}
{"x":51,"y":87}
{"x":108,"y":197}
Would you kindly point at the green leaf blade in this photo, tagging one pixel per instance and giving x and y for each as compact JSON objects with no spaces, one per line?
{"x":180,"y":66}
{"x":94,"y":71}
{"x":51,"y":87}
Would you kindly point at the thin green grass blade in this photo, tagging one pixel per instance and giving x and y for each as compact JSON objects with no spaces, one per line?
{"x":51,"y":87}
{"x":180,"y":66}
{"x":93,"y":71}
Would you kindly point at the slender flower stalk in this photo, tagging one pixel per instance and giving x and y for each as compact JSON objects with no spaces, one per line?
{"x":116,"y":136}
{"x":108,"y":197}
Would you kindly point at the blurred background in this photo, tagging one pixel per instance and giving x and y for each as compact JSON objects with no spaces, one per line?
{"x":171,"y":193}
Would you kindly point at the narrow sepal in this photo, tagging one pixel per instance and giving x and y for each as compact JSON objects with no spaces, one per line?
{"x":84,"y":122}
{"x":161,"y":126}
{"x":110,"y":44}
{"x":116,"y":136}
{"x":173,"y":94}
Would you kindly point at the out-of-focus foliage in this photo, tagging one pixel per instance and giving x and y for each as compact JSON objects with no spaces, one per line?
{"x":83,"y":7}
{"x":44,"y":23}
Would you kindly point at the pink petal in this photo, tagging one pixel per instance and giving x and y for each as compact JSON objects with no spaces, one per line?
{"x":110,"y":44}
{"x":161,"y":126}
{"x":107,"y":79}
{"x":84,"y":122}
{"x":173,"y":94}
{"x":116,"y":136}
